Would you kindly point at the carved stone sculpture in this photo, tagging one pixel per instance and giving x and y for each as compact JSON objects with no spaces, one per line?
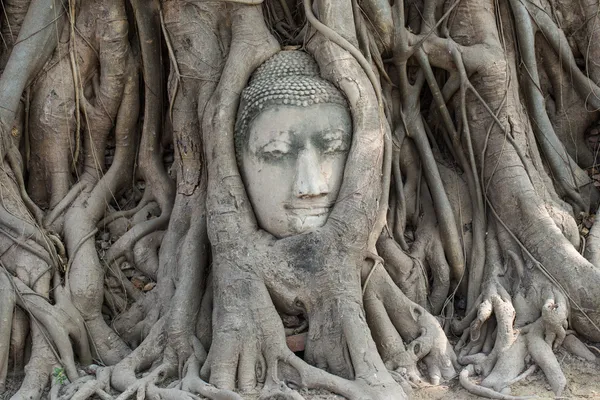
{"x":293,"y":133}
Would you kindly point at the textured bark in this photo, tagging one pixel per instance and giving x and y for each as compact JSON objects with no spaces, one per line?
{"x":129,"y":247}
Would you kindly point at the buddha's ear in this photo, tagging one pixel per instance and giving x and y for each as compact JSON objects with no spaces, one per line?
{"x":360,"y":196}
{"x":229,"y":209}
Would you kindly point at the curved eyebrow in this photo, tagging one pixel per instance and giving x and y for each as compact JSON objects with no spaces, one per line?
{"x":274,"y":140}
{"x":274,"y":136}
{"x":336,"y":133}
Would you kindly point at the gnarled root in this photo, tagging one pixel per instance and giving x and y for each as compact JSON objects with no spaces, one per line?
{"x":61,"y":322}
{"x":39,"y":367}
{"x":494,"y":300}
{"x":194,"y":384}
{"x":392,"y":316}
{"x":249,"y":342}
{"x":502,"y":364}
{"x":485,"y":392}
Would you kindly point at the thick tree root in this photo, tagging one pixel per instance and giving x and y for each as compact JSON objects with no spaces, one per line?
{"x":501,"y":364}
{"x":574,"y":346}
{"x":62,"y":323}
{"x":425,"y":337}
{"x":39,"y":367}
{"x":486,"y":392}
{"x":496,"y":300}
{"x":7,"y":304}
{"x":194,"y":384}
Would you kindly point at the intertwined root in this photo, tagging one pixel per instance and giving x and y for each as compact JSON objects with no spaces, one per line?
{"x":394,"y":319}
{"x":248,"y":345}
{"x":500,"y":353}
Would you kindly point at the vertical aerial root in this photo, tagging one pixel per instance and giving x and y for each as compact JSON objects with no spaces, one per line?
{"x":403,"y":270}
{"x":59,"y":325}
{"x":69,"y":198}
{"x":39,"y":367}
{"x":18,"y":339}
{"x":554,"y":316}
{"x":7,"y":305}
{"x":495,"y":300}
{"x":592,"y":244}
{"x":389,"y":343}
{"x":14,"y":160}
{"x":78,"y":331}
{"x":415,"y":325}
{"x":440,"y":271}
{"x":460,"y":326}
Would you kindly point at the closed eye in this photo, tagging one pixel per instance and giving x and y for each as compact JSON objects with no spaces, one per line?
{"x":335,"y":141}
{"x":335,"y":146}
{"x":275,"y":149}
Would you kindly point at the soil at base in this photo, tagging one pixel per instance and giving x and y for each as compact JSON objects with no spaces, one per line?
{"x":583,"y":382}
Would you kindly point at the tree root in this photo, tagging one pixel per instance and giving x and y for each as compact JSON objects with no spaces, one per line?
{"x":574,"y":346}
{"x":61,"y":321}
{"x":124,"y":378}
{"x":18,"y":339}
{"x":145,"y":200}
{"x":496,"y":300}
{"x":256,"y":278}
{"x":7,"y":304}
{"x":486,"y":392}
{"x":194,"y":384}
{"x":425,"y":337}
{"x":39,"y":367}
{"x":145,"y":254}
{"x":37,"y":40}
{"x":124,"y":246}
{"x":502,"y":363}
{"x":541,"y":352}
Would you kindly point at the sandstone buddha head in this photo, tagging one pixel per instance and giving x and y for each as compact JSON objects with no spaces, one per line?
{"x":293,"y":133}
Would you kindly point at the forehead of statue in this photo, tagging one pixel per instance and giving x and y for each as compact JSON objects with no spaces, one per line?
{"x":297,"y":124}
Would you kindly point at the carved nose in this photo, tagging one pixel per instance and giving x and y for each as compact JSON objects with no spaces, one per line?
{"x":309,"y":181}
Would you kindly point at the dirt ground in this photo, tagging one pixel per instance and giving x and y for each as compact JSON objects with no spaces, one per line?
{"x":583,"y":382}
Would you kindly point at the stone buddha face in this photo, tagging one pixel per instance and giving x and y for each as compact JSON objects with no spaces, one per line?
{"x":293,"y":165}
{"x":293,"y":133}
